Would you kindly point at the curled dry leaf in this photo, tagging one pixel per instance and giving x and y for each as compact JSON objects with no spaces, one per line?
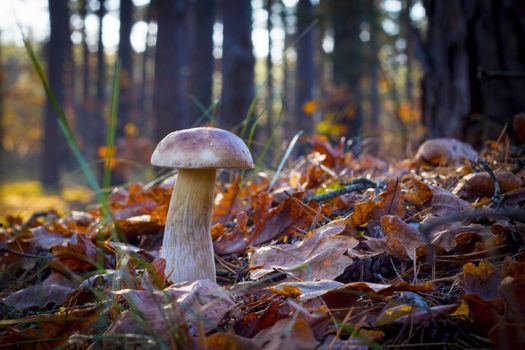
{"x":229,"y":341}
{"x":77,"y":254}
{"x":320,"y":255}
{"x":391,"y":202}
{"x":482,"y":280}
{"x":443,"y":151}
{"x":481,"y":184}
{"x":274,"y":223}
{"x":54,"y":289}
{"x":287,"y":334}
{"x":402,"y":240}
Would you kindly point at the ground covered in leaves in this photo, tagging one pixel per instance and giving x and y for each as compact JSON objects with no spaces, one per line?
{"x":340,"y":250}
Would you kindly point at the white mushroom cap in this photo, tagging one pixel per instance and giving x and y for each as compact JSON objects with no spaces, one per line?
{"x":203,"y":147}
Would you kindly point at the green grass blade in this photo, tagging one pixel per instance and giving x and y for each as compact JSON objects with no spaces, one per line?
{"x":66,"y":130}
{"x":285,"y":158}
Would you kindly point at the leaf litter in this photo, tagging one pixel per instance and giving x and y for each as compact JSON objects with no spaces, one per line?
{"x":342,"y":252}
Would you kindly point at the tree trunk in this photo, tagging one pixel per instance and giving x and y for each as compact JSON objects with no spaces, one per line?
{"x":469,"y":40}
{"x":97,"y":117}
{"x":375,"y":103}
{"x":269,"y":72}
{"x":171,"y":71}
{"x":2,"y":87}
{"x":304,"y":75}
{"x":202,"y":61}
{"x":58,"y":14}
{"x":347,"y":59}
{"x":126,"y":61}
{"x":144,"y":99}
{"x":237,"y":63}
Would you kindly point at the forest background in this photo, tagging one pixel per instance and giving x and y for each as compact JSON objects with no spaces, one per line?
{"x":383,"y":74}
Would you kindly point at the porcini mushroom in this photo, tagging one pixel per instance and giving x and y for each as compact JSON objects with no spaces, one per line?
{"x":197,"y":153}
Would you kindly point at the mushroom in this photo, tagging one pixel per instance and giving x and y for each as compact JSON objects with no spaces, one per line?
{"x":197,"y":153}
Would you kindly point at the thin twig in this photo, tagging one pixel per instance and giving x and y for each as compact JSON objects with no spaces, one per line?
{"x":496,"y":198}
{"x":356,"y":185}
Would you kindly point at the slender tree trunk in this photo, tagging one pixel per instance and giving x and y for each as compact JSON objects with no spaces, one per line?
{"x":143,"y":127}
{"x":304,"y":77}
{"x":58,"y":13}
{"x":201,"y":57}
{"x":374,"y":65}
{"x":170,"y":103}
{"x":347,"y":59}
{"x":85,"y":120}
{"x":289,"y":120}
{"x":126,"y":60}
{"x":237,"y":63}
{"x":98,"y":119}
{"x":269,"y":72}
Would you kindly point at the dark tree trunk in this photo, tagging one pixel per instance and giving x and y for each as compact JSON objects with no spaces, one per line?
{"x":269,"y":72}
{"x":347,"y":59}
{"x":304,"y":77}
{"x":201,"y":57}
{"x":97,"y":116}
{"x":289,"y":120}
{"x":468,"y":40}
{"x":58,"y":14}
{"x":126,"y":61}
{"x":237,"y":63}
{"x":145,"y":94}
{"x":374,"y":66}
{"x":170,"y":103}
{"x":101,"y":61}
{"x":85,"y":120}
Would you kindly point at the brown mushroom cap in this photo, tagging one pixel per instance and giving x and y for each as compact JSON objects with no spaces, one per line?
{"x":203,"y":147}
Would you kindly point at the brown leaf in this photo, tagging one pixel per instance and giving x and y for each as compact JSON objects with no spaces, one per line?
{"x":321,"y":255}
{"x":418,"y":193}
{"x":287,"y":334}
{"x":362,"y":214}
{"x":482,"y":280}
{"x":402,"y":240}
{"x":444,"y":203}
{"x":48,"y":331}
{"x":481,"y":184}
{"x":54,"y":289}
{"x":391,"y":202}
{"x":284,"y":219}
{"x":78,"y":254}
{"x":445,"y":151}
{"x":229,"y":341}
{"x":222,"y":210}
{"x":253,"y":322}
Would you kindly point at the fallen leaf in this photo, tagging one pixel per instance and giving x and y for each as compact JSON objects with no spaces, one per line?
{"x":402,"y":240}
{"x":287,"y":334}
{"x":54,"y":289}
{"x":442,"y":151}
{"x":229,"y":341}
{"x":482,"y":280}
{"x":320,"y":255}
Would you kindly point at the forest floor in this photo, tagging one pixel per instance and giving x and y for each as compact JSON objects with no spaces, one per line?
{"x":337,"y":251}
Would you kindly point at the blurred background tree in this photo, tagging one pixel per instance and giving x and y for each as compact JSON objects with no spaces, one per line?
{"x":386,"y":72}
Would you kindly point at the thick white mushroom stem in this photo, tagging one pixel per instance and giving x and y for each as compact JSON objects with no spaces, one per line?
{"x":187,"y":246}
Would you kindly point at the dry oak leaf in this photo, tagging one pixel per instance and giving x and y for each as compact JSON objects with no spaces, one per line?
{"x":321,"y":255}
{"x":481,"y":184}
{"x":391,"y":202}
{"x":77,"y":254}
{"x":362,"y":214}
{"x":287,"y":334}
{"x":48,"y":331}
{"x":284,"y":219}
{"x":444,"y":202}
{"x":482,"y":280}
{"x":443,"y":151}
{"x":418,"y":192}
{"x":229,"y":341}
{"x":54,"y":289}
{"x":402,"y":240}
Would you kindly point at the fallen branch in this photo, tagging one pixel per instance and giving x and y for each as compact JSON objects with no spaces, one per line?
{"x":356,"y":185}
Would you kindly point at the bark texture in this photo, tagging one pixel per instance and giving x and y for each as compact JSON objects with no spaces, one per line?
{"x":237,"y":63}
